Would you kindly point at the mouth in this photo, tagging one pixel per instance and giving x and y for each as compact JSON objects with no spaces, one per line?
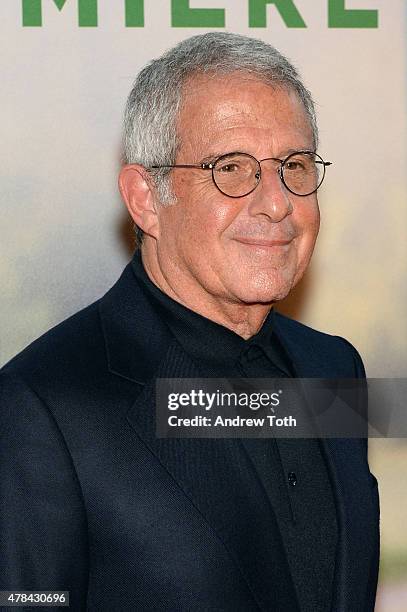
{"x":260,"y":242}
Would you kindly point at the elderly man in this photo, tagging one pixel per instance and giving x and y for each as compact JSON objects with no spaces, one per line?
{"x":221,"y":181}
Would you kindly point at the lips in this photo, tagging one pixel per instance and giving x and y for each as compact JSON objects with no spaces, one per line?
{"x":261,"y":242}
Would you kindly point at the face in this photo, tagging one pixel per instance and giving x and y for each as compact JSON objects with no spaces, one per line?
{"x":252,"y":249}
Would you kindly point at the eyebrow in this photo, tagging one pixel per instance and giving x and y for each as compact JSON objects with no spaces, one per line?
{"x":212,"y":157}
{"x":288,"y":152}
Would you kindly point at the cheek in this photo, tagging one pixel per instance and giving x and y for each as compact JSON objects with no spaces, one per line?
{"x":307,"y":226}
{"x":223,"y":215}
{"x":306,"y":219}
{"x":197,"y":192}
{"x":204,"y":216}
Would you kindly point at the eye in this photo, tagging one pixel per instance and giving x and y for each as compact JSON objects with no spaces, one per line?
{"x":294,"y":165}
{"x":228,"y":168}
{"x":239,"y":165}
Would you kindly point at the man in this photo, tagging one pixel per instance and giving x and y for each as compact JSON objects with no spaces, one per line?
{"x":220,"y":180}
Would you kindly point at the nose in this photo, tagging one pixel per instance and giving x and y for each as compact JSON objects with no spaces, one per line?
{"x":271,"y":198}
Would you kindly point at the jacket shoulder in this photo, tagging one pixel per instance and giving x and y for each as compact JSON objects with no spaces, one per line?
{"x":73,"y":343}
{"x":332,"y":355}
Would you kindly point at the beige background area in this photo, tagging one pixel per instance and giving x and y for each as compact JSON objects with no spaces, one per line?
{"x":65,"y":237}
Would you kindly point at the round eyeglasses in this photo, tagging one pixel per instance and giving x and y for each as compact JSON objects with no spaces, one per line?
{"x":238,"y":174}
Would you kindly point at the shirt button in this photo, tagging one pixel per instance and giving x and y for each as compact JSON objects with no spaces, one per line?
{"x":292,"y":478}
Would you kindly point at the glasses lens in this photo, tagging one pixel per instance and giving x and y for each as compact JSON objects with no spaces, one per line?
{"x":237,"y":174}
{"x":303,"y":173}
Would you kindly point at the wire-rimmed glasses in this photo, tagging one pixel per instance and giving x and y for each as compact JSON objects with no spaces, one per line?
{"x":238,"y":174}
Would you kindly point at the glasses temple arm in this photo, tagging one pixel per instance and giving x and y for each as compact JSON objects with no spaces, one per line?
{"x":201,"y":166}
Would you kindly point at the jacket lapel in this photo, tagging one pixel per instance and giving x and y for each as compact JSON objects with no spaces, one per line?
{"x":354,"y":491}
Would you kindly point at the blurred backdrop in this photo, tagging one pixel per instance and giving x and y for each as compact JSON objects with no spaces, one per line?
{"x":66,"y":69}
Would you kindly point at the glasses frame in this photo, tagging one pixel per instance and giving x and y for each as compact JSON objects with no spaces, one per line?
{"x":212,"y":165}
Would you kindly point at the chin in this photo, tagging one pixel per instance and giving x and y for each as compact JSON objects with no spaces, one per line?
{"x":265,"y":288}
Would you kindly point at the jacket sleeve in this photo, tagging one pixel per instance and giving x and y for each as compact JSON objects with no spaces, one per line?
{"x":43,"y":531}
{"x":374,"y":565}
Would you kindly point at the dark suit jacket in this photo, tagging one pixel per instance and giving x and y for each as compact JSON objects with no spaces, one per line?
{"x":92,"y":502}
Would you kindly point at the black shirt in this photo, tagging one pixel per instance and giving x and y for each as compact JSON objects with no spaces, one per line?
{"x":292,"y":471}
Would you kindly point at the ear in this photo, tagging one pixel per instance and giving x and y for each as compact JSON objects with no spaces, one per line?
{"x":138,"y":195}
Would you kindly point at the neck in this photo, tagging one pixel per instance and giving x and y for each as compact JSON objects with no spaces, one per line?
{"x":242,"y":318}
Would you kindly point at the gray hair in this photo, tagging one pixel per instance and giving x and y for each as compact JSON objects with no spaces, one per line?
{"x":150,"y":134}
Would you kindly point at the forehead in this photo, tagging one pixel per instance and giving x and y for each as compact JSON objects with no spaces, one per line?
{"x":239,"y":110}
